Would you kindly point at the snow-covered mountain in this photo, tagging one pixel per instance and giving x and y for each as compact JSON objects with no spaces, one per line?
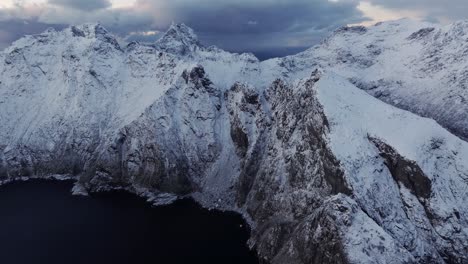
{"x":316,"y":150}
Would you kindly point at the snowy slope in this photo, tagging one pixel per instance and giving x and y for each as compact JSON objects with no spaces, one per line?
{"x":416,"y":66}
{"x":323,"y":171}
{"x":355,"y":118}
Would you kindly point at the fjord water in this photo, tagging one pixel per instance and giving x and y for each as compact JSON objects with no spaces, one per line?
{"x":41,"y":222}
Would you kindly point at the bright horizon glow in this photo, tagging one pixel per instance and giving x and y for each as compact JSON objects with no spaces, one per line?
{"x":122,"y":3}
{"x":378,"y":13}
{"x":12,"y":3}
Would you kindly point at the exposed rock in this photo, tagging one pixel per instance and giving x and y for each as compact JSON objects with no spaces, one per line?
{"x":421,"y":33}
{"x":404,"y":171}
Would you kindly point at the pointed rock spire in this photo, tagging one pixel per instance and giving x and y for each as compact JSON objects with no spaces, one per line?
{"x":179,"y":39}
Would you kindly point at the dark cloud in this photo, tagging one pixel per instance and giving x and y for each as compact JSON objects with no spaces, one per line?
{"x":263,"y":26}
{"x":86,"y":5}
{"x":258,"y":25}
{"x":11,"y":30}
{"x":268,"y":18}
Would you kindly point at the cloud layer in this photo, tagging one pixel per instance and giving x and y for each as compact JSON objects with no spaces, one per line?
{"x":86,"y":5}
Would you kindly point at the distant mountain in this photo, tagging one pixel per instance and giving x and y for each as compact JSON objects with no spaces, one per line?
{"x":332,"y":155}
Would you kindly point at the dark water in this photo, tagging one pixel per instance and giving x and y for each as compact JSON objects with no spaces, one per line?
{"x":40,"y":222}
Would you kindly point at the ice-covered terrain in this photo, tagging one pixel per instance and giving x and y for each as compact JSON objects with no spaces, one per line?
{"x":340,"y":154}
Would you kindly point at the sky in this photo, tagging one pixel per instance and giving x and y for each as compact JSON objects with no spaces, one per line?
{"x":265,"y":27}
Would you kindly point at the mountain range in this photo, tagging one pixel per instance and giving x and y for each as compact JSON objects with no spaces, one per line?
{"x":353,"y":151}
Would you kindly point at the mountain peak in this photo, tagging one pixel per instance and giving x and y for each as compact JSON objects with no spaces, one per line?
{"x":179,"y":39}
{"x":182,"y":31}
{"x":94,"y":30}
{"x":88,"y":30}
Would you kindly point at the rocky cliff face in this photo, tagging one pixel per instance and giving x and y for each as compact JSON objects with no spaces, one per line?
{"x":322,"y":171}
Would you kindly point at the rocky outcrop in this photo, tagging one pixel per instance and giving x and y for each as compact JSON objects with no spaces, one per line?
{"x":305,"y":174}
{"x":404,"y":171}
{"x":411,"y":176}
